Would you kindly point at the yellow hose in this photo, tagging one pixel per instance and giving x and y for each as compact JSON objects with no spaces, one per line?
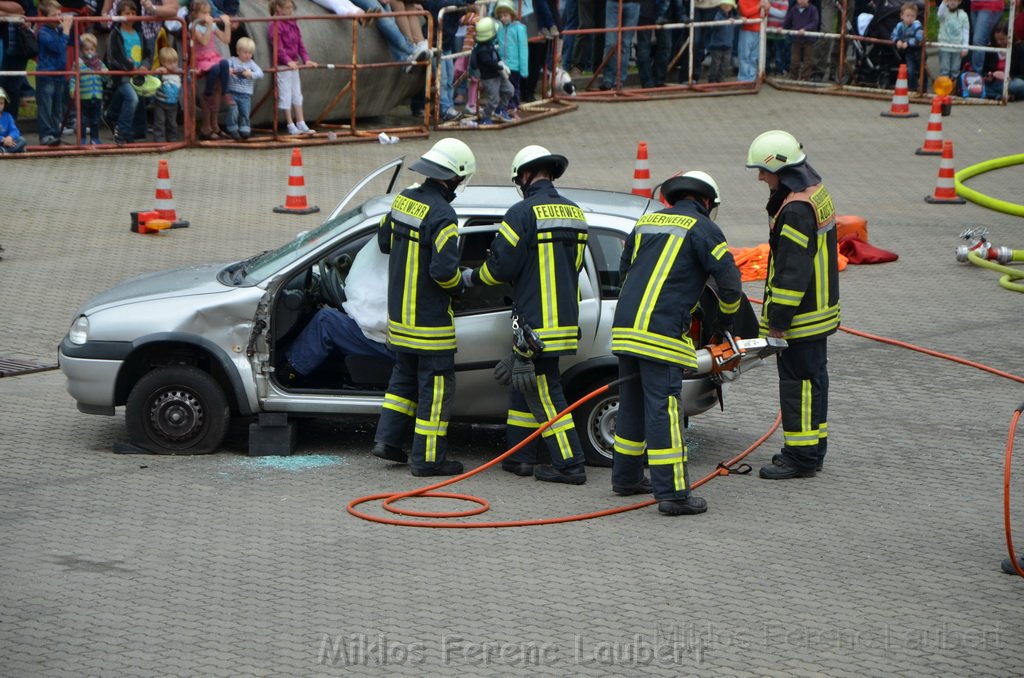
{"x":985,"y":200}
{"x":1009,"y":274}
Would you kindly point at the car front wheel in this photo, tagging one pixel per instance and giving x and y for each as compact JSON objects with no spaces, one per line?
{"x":177,"y":409}
{"x":595,"y":424}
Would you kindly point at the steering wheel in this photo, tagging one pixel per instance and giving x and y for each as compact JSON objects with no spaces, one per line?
{"x":332,"y":288}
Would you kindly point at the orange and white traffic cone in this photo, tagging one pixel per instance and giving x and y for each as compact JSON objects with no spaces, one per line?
{"x":900,"y":107}
{"x":295,"y":199}
{"x":945,"y":186}
{"x":642,"y":173}
{"x":165,"y":197}
{"x":933,"y":135}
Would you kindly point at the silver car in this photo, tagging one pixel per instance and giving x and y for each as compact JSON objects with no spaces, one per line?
{"x":185,"y":350}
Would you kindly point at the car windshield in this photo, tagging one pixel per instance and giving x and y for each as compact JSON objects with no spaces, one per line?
{"x":263,"y":265}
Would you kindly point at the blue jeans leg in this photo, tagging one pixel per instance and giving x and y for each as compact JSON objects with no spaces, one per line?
{"x":124,"y":104}
{"x":447,"y":76}
{"x":571,"y":21}
{"x":982,"y":24}
{"x":748,"y":53}
{"x":49,"y":102}
{"x":331,"y":330}
{"x":240,"y":113}
{"x":614,"y":70}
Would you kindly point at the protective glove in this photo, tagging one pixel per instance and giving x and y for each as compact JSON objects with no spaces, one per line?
{"x":503,"y":370}
{"x":523,"y":378}
{"x":467,"y":277}
{"x":505,"y":69}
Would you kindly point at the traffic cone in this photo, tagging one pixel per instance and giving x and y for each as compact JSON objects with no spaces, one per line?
{"x":165,"y":197}
{"x":900,"y":107}
{"x":642,"y":173}
{"x":945,"y":186}
{"x":933,"y":135}
{"x":295,"y":199}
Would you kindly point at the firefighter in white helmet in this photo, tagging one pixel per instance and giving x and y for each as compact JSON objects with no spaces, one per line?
{"x":665,"y":265}
{"x":539,"y":250}
{"x":421,"y":236}
{"x":801,"y":297}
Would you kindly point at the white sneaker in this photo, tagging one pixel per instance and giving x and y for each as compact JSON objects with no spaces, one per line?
{"x":303,"y":128}
{"x":292,"y":129}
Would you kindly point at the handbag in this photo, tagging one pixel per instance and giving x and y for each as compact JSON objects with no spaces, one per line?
{"x":27,"y":42}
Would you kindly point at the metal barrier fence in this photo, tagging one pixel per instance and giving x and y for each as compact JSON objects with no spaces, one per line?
{"x":335,"y":132}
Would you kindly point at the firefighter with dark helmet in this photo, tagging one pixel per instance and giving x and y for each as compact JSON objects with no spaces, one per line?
{"x":420,"y":234}
{"x":801,"y":297}
{"x":665,"y":265}
{"x":539,"y":250}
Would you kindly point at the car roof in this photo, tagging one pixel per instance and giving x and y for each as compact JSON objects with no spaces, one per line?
{"x":485,"y":200}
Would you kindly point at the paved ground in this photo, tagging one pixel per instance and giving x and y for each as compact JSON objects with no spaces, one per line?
{"x":885,"y":564}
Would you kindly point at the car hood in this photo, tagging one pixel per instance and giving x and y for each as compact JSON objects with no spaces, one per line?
{"x":178,"y":282}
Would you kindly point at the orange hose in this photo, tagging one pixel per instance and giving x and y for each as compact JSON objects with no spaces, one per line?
{"x":428,"y":491}
{"x":389,"y":498}
{"x":1006,"y":493}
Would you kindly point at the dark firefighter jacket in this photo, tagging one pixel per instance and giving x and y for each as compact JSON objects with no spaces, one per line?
{"x":421,"y":235}
{"x":666,"y":262}
{"x":801,"y":292}
{"x":539,"y":249}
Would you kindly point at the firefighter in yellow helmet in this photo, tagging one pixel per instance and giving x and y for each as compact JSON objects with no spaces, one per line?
{"x":539,"y":250}
{"x":665,"y":265}
{"x":801,"y":297}
{"x":420,"y":234}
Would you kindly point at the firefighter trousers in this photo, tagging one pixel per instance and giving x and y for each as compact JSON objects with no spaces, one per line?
{"x":650,"y":418}
{"x":420,"y":393}
{"x":803,"y":397}
{"x":526,"y":414}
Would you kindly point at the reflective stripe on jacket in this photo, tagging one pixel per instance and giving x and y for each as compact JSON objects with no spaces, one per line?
{"x":801,"y":293}
{"x":421,"y":235}
{"x":666,"y":262}
{"x":539,"y":250}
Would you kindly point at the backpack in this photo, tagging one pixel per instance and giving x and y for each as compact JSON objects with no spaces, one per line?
{"x":971,"y":85}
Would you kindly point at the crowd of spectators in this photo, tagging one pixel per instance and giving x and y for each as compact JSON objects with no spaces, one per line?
{"x":143,"y":108}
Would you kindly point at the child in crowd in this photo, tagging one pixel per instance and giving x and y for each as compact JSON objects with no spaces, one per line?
{"x":493,"y":72}
{"x":11,"y":140}
{"x":127,"y":51}
{"x":749,"y":38}
{"x":719,"y":41}
{"x":291,"y":54}
{"x":777,"y":59}
{"x":803,"y":16}
{"x":907,"y":36}
{"x":168,"y":97}
{"x":244,"y":74}
{"x":465,"y":92}
{"x":205,"y":33}
{"x":954,"y":28}
{"x":51,"y":90}
{"x":512,"y":49}
{"x":90,"y":67}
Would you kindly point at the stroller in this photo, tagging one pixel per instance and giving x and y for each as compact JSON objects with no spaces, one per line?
{"x":875,"y":64}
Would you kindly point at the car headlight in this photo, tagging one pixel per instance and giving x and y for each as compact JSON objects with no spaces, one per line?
{"x":79,"y":332}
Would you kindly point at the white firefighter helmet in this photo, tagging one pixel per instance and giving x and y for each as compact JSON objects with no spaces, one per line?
{"x":694,"y":182}
{"x":775,"y":150}
{"x":447,"y":159}
{"x":529,"y":157}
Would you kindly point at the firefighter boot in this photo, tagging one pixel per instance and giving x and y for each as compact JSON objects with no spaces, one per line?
{"x":389,"y":453}
{"x":785,"y":468}
{"x":570,"y":475}
{"x":682,"y":507}
{"x":519,"y":468}
{"x":1008,"y":565}
{"x":445,"y":468}
{"x":643,"y":487}
{"x":777,"y":459}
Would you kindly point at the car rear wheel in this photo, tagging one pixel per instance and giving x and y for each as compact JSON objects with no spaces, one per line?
{"x":177,"y":410}
{"x":595,"y":423}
